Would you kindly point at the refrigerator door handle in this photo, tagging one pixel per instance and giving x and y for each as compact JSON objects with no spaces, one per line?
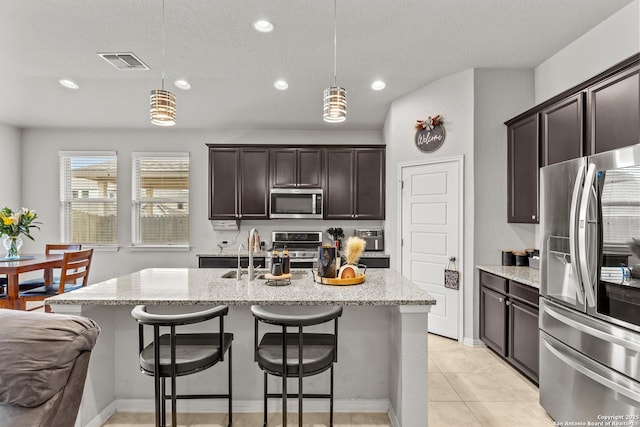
{"x":573,"y":228}
{"x":605,"y":336}
{"x":630,"y":394}
{"x":583,"y":222}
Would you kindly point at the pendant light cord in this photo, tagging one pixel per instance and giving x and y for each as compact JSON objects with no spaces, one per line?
{"x":162,"y":69}
{"x":335,"y":42}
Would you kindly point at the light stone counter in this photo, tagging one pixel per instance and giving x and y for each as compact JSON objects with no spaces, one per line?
{"x":526,"y":275}
{"x":205,"y":286}
{"x":382,"y":362}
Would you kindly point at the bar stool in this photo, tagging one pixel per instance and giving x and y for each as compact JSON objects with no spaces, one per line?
{"x":174,"y":355}
{"x":307,"y":353}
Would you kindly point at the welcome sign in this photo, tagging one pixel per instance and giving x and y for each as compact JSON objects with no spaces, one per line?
{"x":429,"y":140}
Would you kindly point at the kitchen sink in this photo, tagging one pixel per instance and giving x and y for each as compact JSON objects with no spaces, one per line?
{"x":295,"y":274}
{"x":229,"y":275}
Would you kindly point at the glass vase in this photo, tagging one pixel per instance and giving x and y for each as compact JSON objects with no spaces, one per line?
{"x":12,"y":245}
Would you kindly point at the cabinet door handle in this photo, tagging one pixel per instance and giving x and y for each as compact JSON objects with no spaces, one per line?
{"x":508,"y":303}
{"x":501,"y":299}
{"x":533,"y":217}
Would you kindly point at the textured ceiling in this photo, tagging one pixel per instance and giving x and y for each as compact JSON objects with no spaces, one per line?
{"x":407,"y":43}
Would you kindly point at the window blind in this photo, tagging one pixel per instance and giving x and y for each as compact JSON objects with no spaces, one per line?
{"x":89,"y":197}
{"x":160,"y":193}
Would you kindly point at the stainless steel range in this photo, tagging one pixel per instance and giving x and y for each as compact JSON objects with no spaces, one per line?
{"x":302,"y":246}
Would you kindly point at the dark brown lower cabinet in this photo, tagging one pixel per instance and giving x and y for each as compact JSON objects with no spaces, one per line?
{"x":524,"y":338}
{"x":493,"y":322}
{"x":509,"y":322}
{"x":228,"y":262}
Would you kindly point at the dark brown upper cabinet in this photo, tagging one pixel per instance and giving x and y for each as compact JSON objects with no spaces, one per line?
{"x":562,"y":130}
{"x":522,"y":168}
{"x":238,"y":183}
{"x":296,"y":167}
{"x":614,"y":111}
{"x":354,"y":183}
{"x":600,"y":114}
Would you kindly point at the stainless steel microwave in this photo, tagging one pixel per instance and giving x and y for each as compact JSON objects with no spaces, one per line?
{"x":296,"y":203}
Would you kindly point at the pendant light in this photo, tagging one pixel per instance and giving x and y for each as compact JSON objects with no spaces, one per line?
{"x":163,"y":102}
{"x":335,"y":97}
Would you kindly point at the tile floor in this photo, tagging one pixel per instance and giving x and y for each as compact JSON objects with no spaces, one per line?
{"x":471,"y":386}
{"x":468,"y":387}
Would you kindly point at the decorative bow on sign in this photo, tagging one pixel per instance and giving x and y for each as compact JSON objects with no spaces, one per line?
{"x":429,"y":123}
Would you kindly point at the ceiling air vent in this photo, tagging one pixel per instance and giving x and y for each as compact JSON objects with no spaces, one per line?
{"x":124,"y":61}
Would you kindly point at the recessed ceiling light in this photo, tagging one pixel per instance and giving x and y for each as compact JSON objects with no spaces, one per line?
{"x":69,"y":84}
{"x":182,"y":84}
{"x":281,"y":85}
{"x":263,"y":26}
{"x":378,"y":85}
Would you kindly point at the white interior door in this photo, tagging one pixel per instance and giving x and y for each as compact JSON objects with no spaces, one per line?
{"x":431,"y":224}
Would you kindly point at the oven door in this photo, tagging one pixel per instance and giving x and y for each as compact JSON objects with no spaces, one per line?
{"x":617,"y":283}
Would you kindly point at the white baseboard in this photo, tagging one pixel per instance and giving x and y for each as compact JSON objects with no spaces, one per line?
{"x":247,"y":406}
{"x":393,"y":417}
{"x":473,"y":342}
{"x":102,"y":417}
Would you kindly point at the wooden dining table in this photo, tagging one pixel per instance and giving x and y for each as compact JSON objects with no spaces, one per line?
{"x":14,"y":268}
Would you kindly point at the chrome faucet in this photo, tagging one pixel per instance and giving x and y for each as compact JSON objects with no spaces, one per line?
{"x":239,"y":270}
{"x":252,"y":236}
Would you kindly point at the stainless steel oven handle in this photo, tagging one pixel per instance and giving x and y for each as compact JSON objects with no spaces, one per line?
{"x":589,"y":373}
{"x":583,"y":223}
{"x":573,"y":226}
{"x":590,"y":330}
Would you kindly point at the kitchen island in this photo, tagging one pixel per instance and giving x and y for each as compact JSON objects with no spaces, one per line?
{"x":382,"y":348}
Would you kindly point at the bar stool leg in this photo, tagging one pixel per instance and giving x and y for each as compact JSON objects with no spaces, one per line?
{"x":331,"y":399}
{"x":156,"y":374}
{"x":163,"y":401}
{"x":264,"y":424}
{"x":230,"y":382}
{"x":300,"y":376}
{"x":285,"y":364}
{"x":174,"y":406}
{"x":284,"y":400}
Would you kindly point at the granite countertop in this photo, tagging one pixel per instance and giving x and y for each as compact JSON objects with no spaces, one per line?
{"x":234,"y":253}
{"x":205,"y":286}
{"x":526,"y":275}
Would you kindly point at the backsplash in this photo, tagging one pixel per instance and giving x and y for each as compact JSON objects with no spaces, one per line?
{"x":265,"y":228}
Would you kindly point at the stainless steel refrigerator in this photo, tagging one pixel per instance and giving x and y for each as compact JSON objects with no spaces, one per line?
{"x":590,"y":288}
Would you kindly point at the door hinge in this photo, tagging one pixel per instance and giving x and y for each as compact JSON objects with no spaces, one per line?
{"x":401,"y":242}
{"x":401,"y":184}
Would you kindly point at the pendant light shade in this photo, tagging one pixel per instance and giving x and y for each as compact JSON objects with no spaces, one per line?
{"x":162,"y":109}
{"x":335,"y":97}
{"x":335,"y":104}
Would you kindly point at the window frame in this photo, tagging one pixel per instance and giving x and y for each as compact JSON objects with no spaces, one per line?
{"x":66,"y":197}
{"x":137,"y":200}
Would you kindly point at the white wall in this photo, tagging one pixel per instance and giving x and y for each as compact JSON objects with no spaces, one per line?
{"x":606,"y":44}
{"x":40,"y":190}
{"x":12,"y":169}
{"x":499,"y":95}
{"x":452,"y":98}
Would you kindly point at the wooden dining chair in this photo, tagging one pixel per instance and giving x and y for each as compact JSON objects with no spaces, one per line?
{"x":75,"y":268}
{"x":50,"y":249}
{"x":4,"y":300}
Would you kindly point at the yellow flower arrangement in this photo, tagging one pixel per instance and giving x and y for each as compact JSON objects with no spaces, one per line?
{"x":15,"y":223}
